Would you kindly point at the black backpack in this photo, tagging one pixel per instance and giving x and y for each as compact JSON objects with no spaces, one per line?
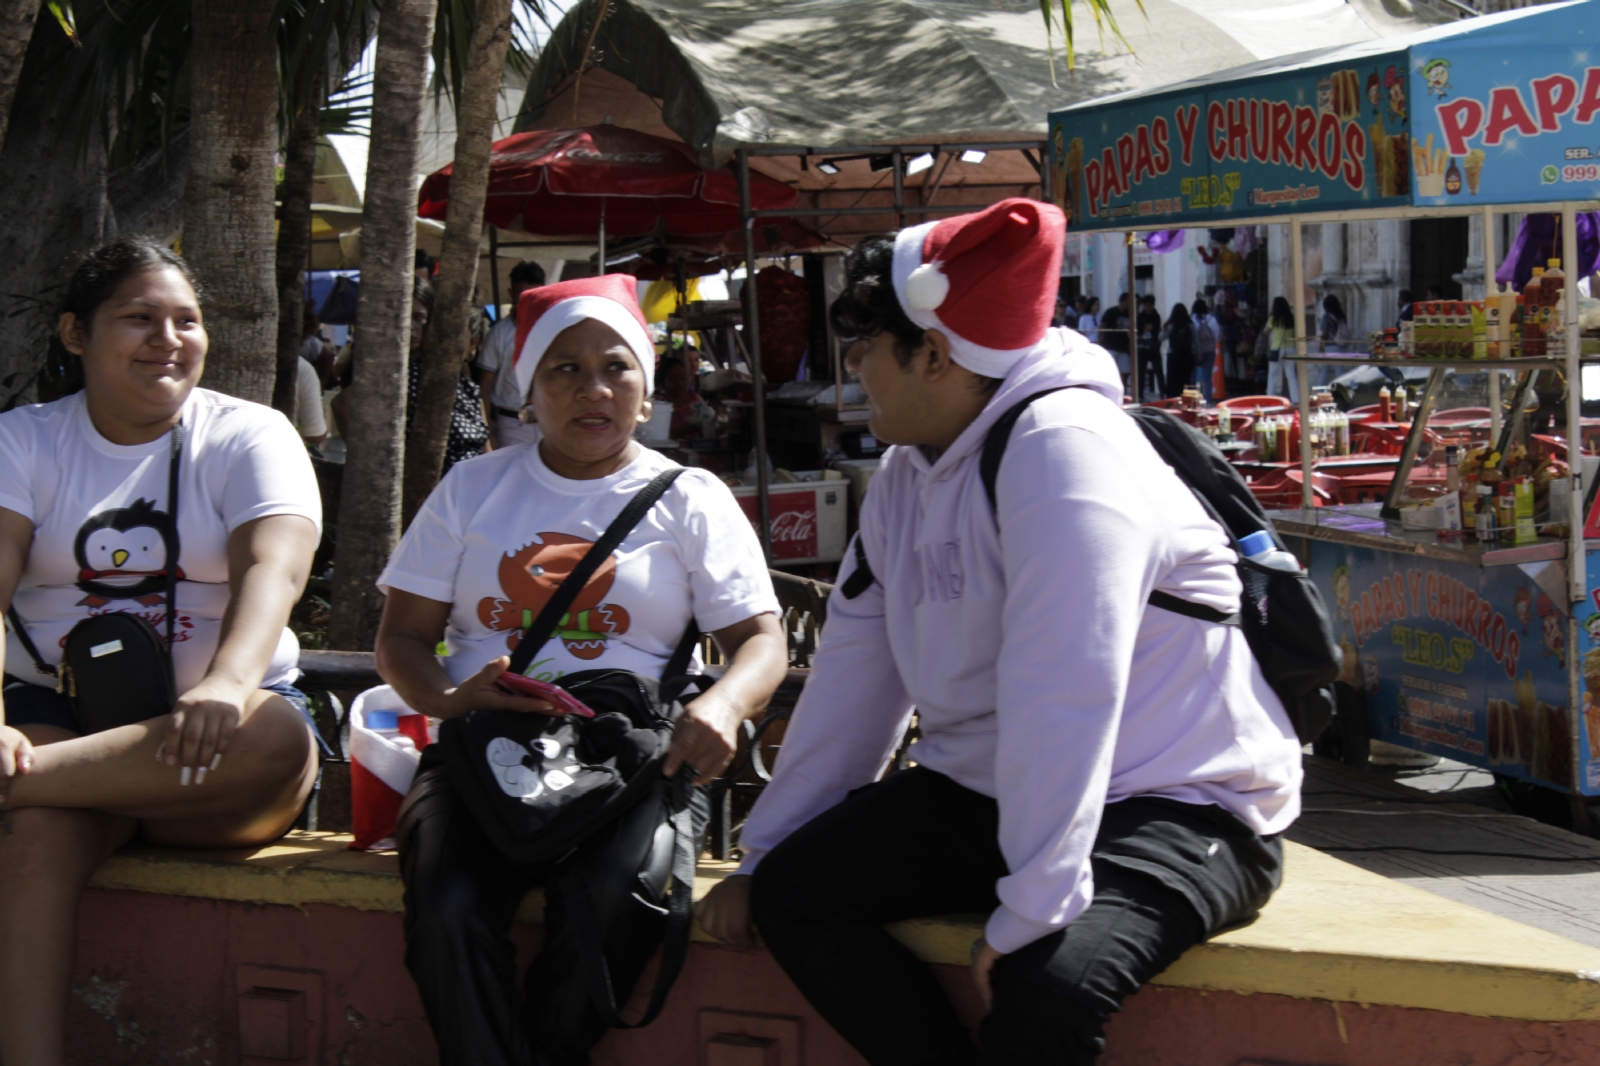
{"x":588,"y":795}
{"x":1282,"y":613}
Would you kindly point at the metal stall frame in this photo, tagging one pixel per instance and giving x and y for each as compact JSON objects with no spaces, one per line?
{"x":749,"y":216}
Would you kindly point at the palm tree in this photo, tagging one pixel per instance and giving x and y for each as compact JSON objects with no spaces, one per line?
{"x":446,"y":340}
{"x":16,"y":30}
{"x":369,"y":516}
{"x":228,"y":198}
{"x":294,"y":245}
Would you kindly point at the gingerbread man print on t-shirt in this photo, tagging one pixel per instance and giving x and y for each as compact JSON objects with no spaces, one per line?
{"x":530,"y":575}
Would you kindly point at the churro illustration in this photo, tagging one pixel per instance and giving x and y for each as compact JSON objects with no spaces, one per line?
{"x":1472,"y":164}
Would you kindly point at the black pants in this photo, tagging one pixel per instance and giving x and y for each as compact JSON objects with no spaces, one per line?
{"x":1180,"y":372}
{"x":461,"y":896}
{"x":1167,"y":875}
{"x":1151,"y":377}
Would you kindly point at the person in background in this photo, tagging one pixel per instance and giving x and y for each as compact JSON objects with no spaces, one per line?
{"x":1066,"y":311}
{"x":86,"y":528}
{"x":1279,"y":334}
{"x":469,"y":433}
{"x":423,"y":265}
{"x":1206,"y":333}
{"x":676,"y":388}
{"x":309,"y":419}
{"x":493,"y":367}
{"x":1113,"y":334}
{"x":1405,"y":307}
{"x":1334,"y":330}
{"x":1149,"y":347}
{"x":1089,"y":320}
{"x":1106,"y":799}
{"x":1178,"y":334}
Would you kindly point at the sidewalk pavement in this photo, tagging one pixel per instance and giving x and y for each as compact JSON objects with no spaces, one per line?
{"x":1447,"y":831}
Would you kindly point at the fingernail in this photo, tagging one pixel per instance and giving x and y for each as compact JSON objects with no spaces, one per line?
{"x":215,"y":759}
{"x":186,"y":776}
{"x":200,"y":776}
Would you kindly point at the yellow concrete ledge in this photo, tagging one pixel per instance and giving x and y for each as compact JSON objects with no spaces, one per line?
{"x":1332,"y":932}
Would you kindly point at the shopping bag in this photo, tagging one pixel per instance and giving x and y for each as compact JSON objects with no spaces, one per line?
{"x":383,"y":760}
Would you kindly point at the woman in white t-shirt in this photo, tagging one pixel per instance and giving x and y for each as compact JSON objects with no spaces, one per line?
{"x":481,"y":559}
{"x":85,"y":529}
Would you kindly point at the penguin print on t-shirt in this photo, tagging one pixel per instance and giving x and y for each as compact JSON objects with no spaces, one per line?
{"x":531,"y":575}
{"x":122,"y":555}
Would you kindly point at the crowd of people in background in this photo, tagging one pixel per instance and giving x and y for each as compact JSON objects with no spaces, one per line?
{"x":1183,"y":349}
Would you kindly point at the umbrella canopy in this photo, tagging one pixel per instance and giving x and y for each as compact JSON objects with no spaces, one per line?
{"x":561,"y":183}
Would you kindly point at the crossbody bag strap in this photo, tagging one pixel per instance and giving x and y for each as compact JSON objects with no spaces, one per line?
{"x":20,"y":628}
{"x":539,"y":631}
{"x":177,"y":544}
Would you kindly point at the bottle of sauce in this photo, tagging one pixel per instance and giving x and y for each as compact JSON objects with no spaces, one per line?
{"x":1402,"y":399}
{"x":1532,"y":301}
{"x":1485,"y":523}
{"x":1385,"y":405}
{"x":1555,"y":293}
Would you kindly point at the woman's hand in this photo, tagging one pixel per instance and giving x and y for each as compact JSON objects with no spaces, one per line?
{"x":201,"y":726}
{"x":16,"y":753}
{"x":705,"y":738}
{"x":725,"y":912}
{"x":480,"y":692}
{"x":983,"y":959}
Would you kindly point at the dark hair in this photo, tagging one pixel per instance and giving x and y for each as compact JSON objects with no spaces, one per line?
{"x":422,"y":260}
{"x":1091,"y":305}
{"x":1405,"y":296}
{"x":868,"y":305}
{"x":100,"y":272}
{"x":1180,"y":314}
{"x":1200,"y":307}
{"x":1331,"y":304}
{"x":1281,"y":315}
{"x":527,"y":273}
{"x":422,"y":293}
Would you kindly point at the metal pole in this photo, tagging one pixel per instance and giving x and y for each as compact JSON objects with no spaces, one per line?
{"x":899,"y":189}
{"x":494,"y":268}
{"x":1302,"y":373}
{"x":1577,"y":570}
{"x":752,"y":336}
{"x":1491,"y":287}
{"x":1133,"y":307}
{"x":600,"y":267}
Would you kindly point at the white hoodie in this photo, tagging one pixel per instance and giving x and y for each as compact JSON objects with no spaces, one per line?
{"x":1024,"y":643}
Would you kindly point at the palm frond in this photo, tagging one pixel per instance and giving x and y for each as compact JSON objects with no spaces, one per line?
{"x":1103,"y":17}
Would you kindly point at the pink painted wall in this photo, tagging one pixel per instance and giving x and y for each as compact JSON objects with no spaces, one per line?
{"x":156,"y":983}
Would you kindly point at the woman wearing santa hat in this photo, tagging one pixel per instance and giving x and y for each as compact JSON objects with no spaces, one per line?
{"x":466,"y":573}
{"x":1105,"y":779}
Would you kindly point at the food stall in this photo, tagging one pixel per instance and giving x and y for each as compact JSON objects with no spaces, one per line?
{"x":1479,"y":650}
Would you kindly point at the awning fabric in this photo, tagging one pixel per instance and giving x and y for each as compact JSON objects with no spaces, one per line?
{"x":728,"y":74}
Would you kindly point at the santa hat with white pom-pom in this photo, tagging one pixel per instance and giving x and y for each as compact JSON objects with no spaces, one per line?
{"x":987,"y":281}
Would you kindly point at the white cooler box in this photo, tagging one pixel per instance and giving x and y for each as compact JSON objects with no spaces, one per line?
{"x":808,"y":519}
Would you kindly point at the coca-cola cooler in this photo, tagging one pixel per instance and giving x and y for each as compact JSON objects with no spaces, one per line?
{"x":808,"y":519}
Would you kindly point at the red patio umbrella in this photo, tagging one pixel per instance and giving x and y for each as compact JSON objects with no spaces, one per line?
{"x":607,"y":180}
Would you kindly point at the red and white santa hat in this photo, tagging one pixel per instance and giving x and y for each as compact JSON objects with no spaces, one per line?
{"x":988,"y":281}
{"x":542,"y":314}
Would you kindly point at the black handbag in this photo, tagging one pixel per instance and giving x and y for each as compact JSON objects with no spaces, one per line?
{"x":116,"y":668}
{"x":547,"y":789}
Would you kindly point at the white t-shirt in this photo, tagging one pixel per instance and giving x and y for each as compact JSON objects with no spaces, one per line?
{"x":497,"y":355}
{"x":308,"y":415}
{"x":501,"y":530}
{"x":101,"y":528}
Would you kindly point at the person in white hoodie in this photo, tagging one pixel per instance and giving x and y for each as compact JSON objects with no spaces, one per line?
{"x":1106,"y":779}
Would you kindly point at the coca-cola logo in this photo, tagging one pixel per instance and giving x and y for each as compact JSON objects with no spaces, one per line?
{"x":794,"y":527}
{"x":794,"y":523}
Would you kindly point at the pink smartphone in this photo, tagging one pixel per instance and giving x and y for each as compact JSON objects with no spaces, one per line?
{"x":556,"y":696}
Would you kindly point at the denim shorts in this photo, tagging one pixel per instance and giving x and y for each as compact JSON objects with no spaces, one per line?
{"x":30,"y":704}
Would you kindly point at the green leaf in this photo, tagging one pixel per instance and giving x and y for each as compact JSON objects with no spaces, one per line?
{"x":1103,"y":17}
{"x":62,"y":10}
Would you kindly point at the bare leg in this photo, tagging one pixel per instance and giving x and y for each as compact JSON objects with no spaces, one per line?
{"x":48,"y":856}
{"x":252,"y":796}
